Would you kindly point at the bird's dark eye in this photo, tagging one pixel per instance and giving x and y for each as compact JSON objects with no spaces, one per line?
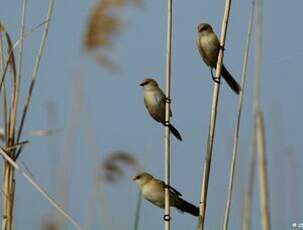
{"x":137,"y":177}
{"x":201,"y":28}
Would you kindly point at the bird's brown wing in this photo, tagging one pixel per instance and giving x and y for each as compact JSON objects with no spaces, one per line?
{"x":170,"y":112}
{"x":171,"y":189}
{"x":175,"y":191}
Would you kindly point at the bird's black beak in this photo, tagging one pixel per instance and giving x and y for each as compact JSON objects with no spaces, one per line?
{"x":142,"y":84}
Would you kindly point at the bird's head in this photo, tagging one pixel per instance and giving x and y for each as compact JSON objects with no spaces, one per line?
{"x":148,"y":83}
{"x":142,"y":178}
{"x":204,"y":28}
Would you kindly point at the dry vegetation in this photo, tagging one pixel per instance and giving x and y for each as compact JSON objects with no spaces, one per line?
{"x":103,"y":26}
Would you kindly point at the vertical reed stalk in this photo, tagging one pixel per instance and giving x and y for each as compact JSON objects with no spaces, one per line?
{"x":259,"y":124}
{"x":9,"y":183}
{"x":213,"y":116}
{"x":137,"y":213}
{"x":19,"y":67}
{"x":8,"y":197}
{"x":167,"y":115}
{"x":35,"y":71}
{"x":248,"y":197}
{"x":237,"y":128}
{"x":263,"y":181}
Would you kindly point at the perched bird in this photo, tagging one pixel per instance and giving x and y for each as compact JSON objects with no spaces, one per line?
{"x":153,"y":190}
{"x":154,"y":100}
{"x":209,"y":46}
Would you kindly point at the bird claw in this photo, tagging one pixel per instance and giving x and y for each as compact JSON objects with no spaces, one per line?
{"x":167,"y":100}
{"x":221,"y":47}
{"x":216,"y":79}
{"x":167,"y":217}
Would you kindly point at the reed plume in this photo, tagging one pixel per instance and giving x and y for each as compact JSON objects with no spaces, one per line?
{"x":103,"y":25}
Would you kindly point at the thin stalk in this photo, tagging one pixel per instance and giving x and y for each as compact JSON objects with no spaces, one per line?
{"x":248,"y":197}
{"x":35,"y":71}
{"x":6,"y":175}
{"x":4,"y":101}
{"x":237,"y":128}
{"x":259,"y":124}
{"x":9,"y":183}
{"x":137,"y":213}
{"x":263,"y":181}
{"x":18,"y":74}
{"x":213,"y":116}
{"x":8,"y":171}
{"x":31,"y":180}
{"x":167,"y":114}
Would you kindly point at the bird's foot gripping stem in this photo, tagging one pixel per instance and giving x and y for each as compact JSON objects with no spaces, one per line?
{"x":215,"y":79}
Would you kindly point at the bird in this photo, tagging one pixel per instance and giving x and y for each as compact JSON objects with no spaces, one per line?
{"x":208,"y":45}
{"x":153,"y":190}
{"x":154,"y":100}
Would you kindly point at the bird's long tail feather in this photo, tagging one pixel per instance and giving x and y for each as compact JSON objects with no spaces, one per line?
{"x":185,"y":206}
{"x":175,"y":132}
{"x":230,"y":80}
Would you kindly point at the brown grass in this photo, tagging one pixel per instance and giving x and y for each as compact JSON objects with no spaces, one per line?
{"x":13,"y":145}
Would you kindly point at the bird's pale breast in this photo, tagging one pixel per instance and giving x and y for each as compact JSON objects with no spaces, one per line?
{"x":154,"y":193}
{"x":154,"y":102}
{"x":209,"y":45}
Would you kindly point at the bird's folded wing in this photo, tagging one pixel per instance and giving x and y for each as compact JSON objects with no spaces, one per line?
{"x":170,"y":112}
{"x":171,"y":189}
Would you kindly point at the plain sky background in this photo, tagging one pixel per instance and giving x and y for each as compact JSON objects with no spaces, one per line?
{"x":114,"y":118}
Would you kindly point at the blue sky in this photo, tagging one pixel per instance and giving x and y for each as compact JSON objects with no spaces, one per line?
{"x":113,"y":116}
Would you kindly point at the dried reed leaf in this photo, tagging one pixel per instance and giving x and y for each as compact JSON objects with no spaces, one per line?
{"x":112,"y":166}
{"x":44,"y":133}
{"x":103,"y":26}
{"x":35,"y":133}
{"x":10,"y":53}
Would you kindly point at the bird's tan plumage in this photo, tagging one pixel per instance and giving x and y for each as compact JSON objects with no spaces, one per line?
{"x":154,"y":100}
{"x":208,"y":45}
{"x":153,"y":190}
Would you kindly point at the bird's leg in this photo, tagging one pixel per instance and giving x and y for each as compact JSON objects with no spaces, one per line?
{"x":215,"y":79}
